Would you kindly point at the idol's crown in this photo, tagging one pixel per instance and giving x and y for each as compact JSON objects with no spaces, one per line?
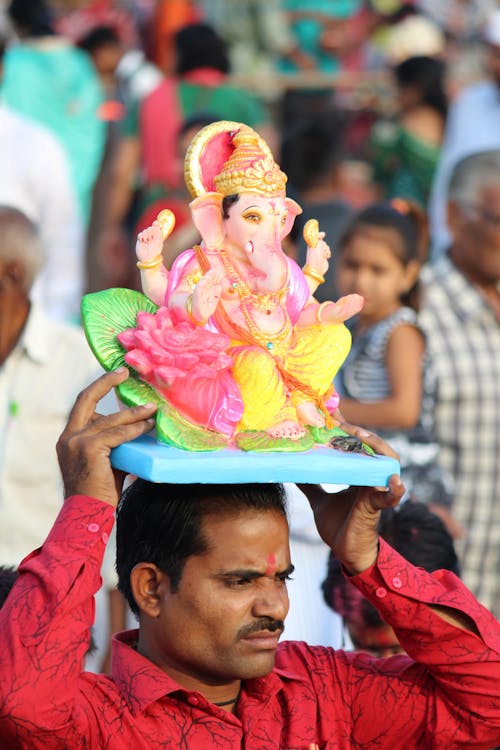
{"x":249,"y":169}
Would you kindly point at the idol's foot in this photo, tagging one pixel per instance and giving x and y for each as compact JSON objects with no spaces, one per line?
{"x":287,"y":429}
{"x":309,"y":414}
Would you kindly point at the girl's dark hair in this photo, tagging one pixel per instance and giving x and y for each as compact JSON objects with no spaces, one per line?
{"x":407,"y":220}
{"x":162,"y":523}
{"x":199,"y":46}
{"x":417,"y":534}
{"x":427,"y":74}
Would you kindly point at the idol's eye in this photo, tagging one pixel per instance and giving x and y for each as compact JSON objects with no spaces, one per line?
{"x":284,"y":577}
{"x":253,"y":217}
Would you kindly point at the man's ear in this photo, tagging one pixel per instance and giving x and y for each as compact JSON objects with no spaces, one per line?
{"x":145,"y":582}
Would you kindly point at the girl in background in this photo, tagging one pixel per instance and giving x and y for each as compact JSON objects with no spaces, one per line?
{"x":386,"y":382}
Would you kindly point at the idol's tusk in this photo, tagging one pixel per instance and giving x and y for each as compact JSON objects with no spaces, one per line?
{"x":166,"y":220}
{"x":311,"y":232}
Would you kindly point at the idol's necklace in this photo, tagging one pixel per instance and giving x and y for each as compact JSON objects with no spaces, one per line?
{"x":264,"y":302}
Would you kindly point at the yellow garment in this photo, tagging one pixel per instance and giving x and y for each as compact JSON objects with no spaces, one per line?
{"x":314,"y":356}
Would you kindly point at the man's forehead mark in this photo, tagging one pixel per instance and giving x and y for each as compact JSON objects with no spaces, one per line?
{"x":270,"y":565}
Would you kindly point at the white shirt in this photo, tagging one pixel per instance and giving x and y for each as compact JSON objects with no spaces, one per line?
{"x":34,"y":178}
{"x":473,"y":125}
{"x":309,"y":618}
{"x":39,"y":382}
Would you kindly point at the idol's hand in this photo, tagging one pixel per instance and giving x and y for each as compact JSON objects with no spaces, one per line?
{"x":85,"y":445}
{"x":318,"y":256}
{"x":206,"y":295}
{"x":348,"y":521}
{"x":150,"y":243}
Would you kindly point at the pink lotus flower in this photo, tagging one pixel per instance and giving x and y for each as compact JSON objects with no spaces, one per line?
{"x":188,"y":365}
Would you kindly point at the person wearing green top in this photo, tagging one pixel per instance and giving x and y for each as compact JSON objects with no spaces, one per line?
{"x":405,"y":152}
{"x":48,"y":80}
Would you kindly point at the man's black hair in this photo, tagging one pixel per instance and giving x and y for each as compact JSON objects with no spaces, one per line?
{"x":161,"y":523}
{"x":199,"y":46}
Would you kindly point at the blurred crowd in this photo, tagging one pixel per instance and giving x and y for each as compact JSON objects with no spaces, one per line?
{"x":385,"y":116}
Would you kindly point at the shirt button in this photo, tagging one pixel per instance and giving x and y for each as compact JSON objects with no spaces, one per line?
{"x":193,"y":700}
{"x":396,"y":582}
{"x":105,"y":537}
{"x":381,"y":592}
{"x":93,"y":528}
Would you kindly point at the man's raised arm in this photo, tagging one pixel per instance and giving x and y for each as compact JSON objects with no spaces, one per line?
{"x":45,"y":622}
{"x":452,"y":692}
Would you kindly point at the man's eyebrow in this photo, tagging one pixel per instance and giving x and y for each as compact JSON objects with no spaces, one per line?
{"x":250,"y":574}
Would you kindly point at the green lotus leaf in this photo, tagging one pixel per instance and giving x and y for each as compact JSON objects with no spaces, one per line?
{"x":323,"y":435}
{"x":106,"y":314}
{"x":262,"y":442}
{"x":134,"y":392}
{"x":174,"y":429}
{"x":368,"y":450}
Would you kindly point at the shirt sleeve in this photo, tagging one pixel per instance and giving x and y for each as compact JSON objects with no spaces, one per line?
{"x":450,"y":694}
{"x":46,"y":619}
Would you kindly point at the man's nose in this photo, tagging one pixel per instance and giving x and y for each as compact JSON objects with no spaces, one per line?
{"x":272,"y":600}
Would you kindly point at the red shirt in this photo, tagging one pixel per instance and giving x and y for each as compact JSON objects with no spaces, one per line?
{"x":450,"y":699}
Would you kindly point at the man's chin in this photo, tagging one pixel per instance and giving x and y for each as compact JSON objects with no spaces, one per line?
{"x":259,"y":665}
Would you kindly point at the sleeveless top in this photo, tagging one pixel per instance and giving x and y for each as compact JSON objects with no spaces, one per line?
{"x":364,"y":377}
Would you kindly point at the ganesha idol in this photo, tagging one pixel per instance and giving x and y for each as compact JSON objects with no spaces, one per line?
{"x":230,"y":342}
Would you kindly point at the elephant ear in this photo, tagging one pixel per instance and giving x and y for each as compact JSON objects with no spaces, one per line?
{"x":206,"y":211}
{"x":293,"y":210}
{"x":106,"y":314}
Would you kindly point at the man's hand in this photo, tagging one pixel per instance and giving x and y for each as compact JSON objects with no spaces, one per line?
{"x":85,"y":445}
{"x":348,"y":521}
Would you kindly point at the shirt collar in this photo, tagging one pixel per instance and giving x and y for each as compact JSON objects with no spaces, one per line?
{"x":464,"y":297}
{"x":33,"y":339}
{"x":141,"y":682}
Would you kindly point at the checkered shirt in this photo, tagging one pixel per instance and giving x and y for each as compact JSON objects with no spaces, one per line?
{"x":463,"y":339}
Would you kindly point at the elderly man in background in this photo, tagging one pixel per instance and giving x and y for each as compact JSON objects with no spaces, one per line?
{"x":43,"y":365}
{"x":460,"y":314}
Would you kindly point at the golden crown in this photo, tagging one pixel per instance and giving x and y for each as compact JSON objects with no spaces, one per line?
{"x":250,"y":169}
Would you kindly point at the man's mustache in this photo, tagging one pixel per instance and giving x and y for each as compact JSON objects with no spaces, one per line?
{"x":260,"y":625}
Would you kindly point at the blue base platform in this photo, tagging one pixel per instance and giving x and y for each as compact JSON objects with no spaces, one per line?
{"x":155,"y":462}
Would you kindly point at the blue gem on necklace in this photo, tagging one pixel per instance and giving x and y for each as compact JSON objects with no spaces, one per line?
{"x":269,"y":345}
{"x":234,"y":284}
